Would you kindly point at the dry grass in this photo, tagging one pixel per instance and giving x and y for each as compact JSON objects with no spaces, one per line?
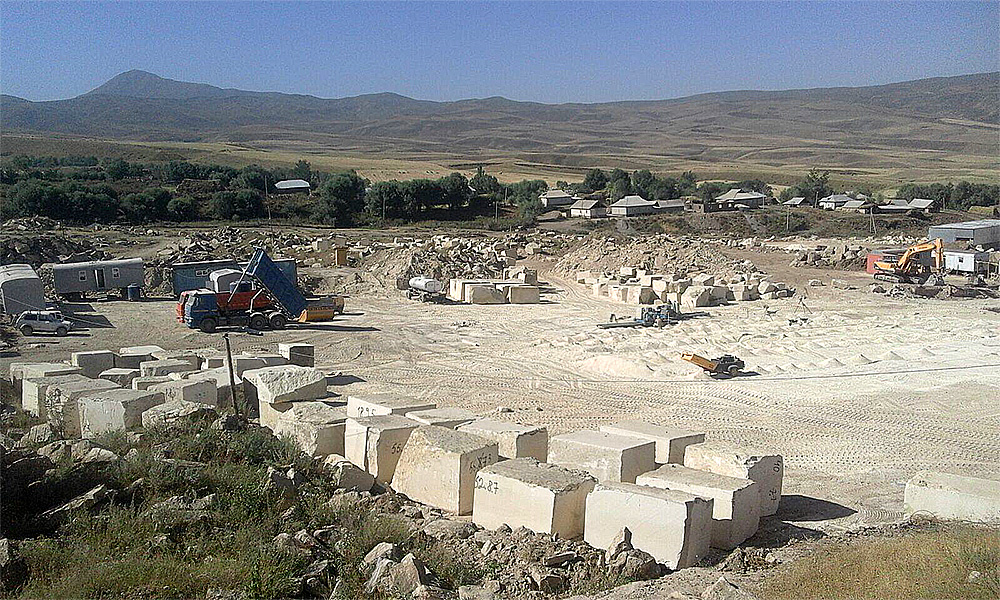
{"x":931,"y":564}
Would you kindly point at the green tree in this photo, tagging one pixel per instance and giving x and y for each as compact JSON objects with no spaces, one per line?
{"x":302,"y":170}
{"x":341,"y":199}
{"x":238,"y":205}
{"x":456,"y":190}
{"x":182,"y":208}
{"x":386,"y":200}
{"x":483,"y":183}
{"x":595,"y":180}
{"x":816,"y":185}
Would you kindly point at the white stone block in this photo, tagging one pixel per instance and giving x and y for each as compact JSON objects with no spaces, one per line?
{"x":121,"y":377}
{"x":132,"y":356}
{"x":62,"y":409}
{"x":696,"y":296}
{"x":190,"y":357}
{"x":371,"y":405}
{"x":185,"y":390}
{"x":670,"y":442}
{"x":114,"y":410}
{"x":766,"y":469}
{"x":165,"y":367}
{"x":449,"y":417}
{"x":513,"y":440}
{"x":674,"y":527}
{"x":298,"y":353}
{"x":242,"y":364}
{"x":316,"y":426}
{"x":949,"y":496}
{"x":438,"y":467}
{"x":524,"y":492}
{"x":736,"y":507}
{"x":33,"y":391}
{"x":703,"y":279}
{"x":606,"y":456}
{"x":22,"y":371}
{"x":485,"y":294}
{"x":286,"y":383}
{"x":523,"y":294}
{"x":170,"y":412}
{"x":375,"y":443}
{"x":144,"y":383}
{"x":92,"y":363}
{"x":219,"y":376}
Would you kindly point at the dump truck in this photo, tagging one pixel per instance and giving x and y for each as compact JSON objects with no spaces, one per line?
{"x":262,"y":298}
{"x":910,"y":268}
{"x":726,"y":364}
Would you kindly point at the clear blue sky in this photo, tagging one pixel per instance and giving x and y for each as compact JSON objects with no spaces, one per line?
{"x":547,"y":52}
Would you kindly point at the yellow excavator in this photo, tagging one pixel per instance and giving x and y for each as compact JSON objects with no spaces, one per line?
{"x":909,"y":268}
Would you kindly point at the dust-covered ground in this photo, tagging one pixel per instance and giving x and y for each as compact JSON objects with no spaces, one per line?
{"x":857,"y":391}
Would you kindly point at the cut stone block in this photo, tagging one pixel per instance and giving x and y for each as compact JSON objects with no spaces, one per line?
{"x":270,"y":359}
{"x":22,"y":371}
{"x":599,"y":289}
{"x":92,"y":363}
{"x":371,"y":405}
{"x":121,"y":377}
{"x":638,"y":294}
{"x":375,"y":443}
{"x":115,"y":410}
{"x":523,"y":294}
{"x":133,"y":356}
{"x":144,"y":383}
{"x":949,"y":496}
{"x":317,"y":427}
{"x":606,"y":456}
{"x":485,"y":294}
{"x":200,"y":392}
{"x":213,"y":362}
{"x":184,"y":355}
{"x":449,"y":417}
{"x":670,"y":442}
{"x":242,"y":364}
{"x":170,"y":412}
{"x":456,"y":288}
{"x":674,"y":527}
{"x":526,"y":493}
{"x":582,"y":276}
{"x":513,"y":440}
{"x":33,"y":391}
{"x":165,"y":367}
{"x":438,"y":467}
{"x":286,"y":383}
{"x":298,"y":353}
{"x":219,"y":377}
{"x":61,"y":403}
{"x":766,"y":469}
{"x":703,"y":279}
{"x":736,"y":507}
{"x":696,"y":296}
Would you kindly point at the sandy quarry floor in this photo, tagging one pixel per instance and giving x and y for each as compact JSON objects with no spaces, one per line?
{"x":857,"y":398}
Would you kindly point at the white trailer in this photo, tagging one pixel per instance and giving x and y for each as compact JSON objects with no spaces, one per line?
{"x":77,"y":279}
{"x":966,"y":261}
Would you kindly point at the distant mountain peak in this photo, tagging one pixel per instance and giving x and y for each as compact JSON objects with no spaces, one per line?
{"x":143,"y":84}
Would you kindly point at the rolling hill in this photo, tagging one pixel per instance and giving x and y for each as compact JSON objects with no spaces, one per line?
{"x":919,"y":124}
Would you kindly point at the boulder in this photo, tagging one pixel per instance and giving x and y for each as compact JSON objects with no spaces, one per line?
{"x":346,"y":475}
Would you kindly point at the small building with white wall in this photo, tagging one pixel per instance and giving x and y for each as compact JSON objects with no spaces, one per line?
{"x":631,"y":206}
{"x":588,"y":209}
{"x":554,"y":198}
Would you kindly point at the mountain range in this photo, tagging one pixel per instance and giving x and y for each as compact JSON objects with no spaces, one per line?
{"x":948,"y":117}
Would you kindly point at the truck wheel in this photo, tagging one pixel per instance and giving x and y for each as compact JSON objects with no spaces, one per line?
{"x":258,"y":322}
{"x":26,"y":330}
{"x":61,"y":331}
{"x":208,"y":325}
{"x":278,"y":321}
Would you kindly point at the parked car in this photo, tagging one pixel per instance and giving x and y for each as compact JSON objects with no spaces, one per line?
{"x":31,"y":322}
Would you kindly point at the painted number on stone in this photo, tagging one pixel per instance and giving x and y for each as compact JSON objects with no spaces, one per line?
{"x":772,"y":494}
{"x":480,"y":462}
{"x":487,"y":485}
{"x":396,"y":448}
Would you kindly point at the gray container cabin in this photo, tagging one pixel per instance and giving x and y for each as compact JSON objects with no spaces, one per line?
{"x":20,"y":290}
{"x":197,"y":275}
{"x":97,"y":276}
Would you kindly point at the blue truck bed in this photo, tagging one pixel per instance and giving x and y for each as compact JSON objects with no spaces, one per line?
{"x":290,"y":300}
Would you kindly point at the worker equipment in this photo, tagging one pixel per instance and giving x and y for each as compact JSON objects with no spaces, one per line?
{"x":726,"y":364}
{"x":649,"y":316}
{"x":909,"y":268}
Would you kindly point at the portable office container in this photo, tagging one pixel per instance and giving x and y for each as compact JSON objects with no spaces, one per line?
{"x":97,"y":276}
{"x":20,"y":290}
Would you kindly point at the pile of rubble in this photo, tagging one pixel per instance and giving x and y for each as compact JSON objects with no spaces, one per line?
{"x":445,"y":257}
{"x":837,"y":256}
{"x":30,"y":224}
{"x":37,"y":250}
{"x":679,"y":256}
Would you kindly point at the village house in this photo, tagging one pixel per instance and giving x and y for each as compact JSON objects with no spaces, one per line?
{"x":554,"y":198}
{"x":588,"y":209}
{"x":631,"y":206}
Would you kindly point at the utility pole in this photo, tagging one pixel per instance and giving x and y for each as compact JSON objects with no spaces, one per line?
{"x":232,"y":377}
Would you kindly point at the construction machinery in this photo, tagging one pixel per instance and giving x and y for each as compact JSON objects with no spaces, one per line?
{"x":262,"y":298}
{"x":726,"y":364}
{"x":649,"y":316}
{"x":911,"y":266}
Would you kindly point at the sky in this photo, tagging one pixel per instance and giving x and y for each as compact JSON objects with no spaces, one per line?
{"x":546,"y":52}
